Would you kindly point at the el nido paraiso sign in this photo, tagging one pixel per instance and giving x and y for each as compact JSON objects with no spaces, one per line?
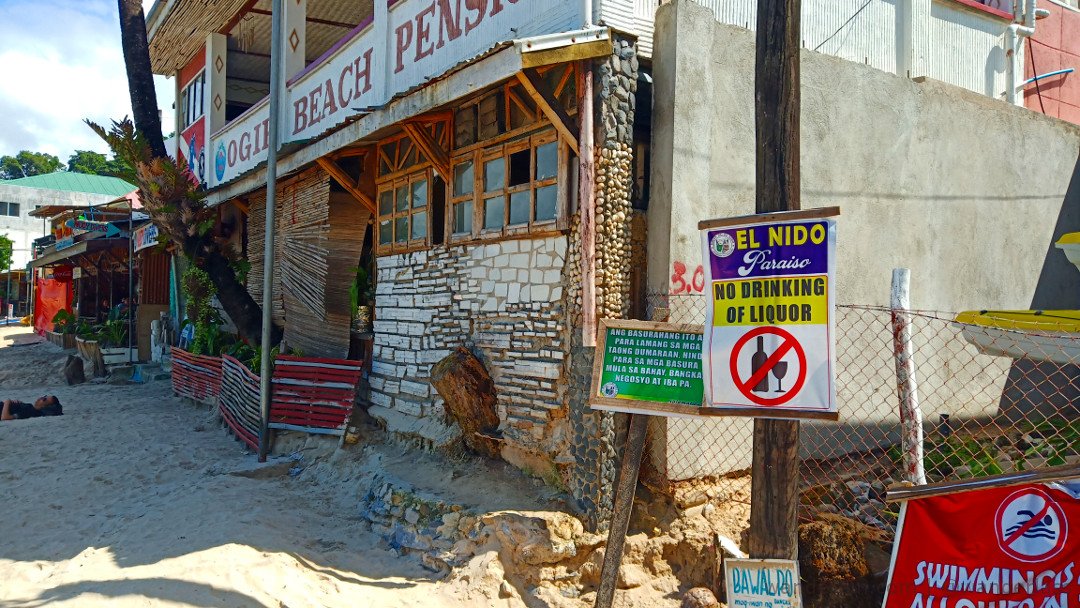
{"x":768,"y":343}
{"x":646,"y":367}
{"x":999,"y":547}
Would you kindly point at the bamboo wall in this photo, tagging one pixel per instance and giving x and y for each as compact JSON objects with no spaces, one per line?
{"x":319,"y":236}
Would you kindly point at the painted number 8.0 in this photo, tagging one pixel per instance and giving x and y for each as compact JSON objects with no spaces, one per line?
{"x":681,"y":285}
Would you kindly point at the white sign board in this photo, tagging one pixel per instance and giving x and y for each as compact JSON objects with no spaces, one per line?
{"x":768,"y":347}
{"x":762,"y":583}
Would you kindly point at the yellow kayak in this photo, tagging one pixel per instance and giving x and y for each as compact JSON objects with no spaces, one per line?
{"x":1037,"y":335}
{"x":1024,"y":320}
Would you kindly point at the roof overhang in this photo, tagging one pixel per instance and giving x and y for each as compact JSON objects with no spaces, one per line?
{"x":76,"y":250}
{"x":177,"y":30}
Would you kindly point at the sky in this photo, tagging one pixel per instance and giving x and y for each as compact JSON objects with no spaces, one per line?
{"x":62,"y":62}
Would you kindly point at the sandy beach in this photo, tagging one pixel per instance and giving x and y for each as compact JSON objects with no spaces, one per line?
{"x":133,"y":498}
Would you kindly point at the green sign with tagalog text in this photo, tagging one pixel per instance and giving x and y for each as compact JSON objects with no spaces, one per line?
{"x":639,"y":364}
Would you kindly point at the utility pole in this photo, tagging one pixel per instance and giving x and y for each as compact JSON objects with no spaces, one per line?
{"x":774,"y":498}
{"x":276,"y":85}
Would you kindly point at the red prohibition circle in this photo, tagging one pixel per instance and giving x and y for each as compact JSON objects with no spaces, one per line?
{"x":743,"y":388}
{"x":1050,"y":505}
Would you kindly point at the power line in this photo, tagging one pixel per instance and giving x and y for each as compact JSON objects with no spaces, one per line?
{"x":850,"y":19}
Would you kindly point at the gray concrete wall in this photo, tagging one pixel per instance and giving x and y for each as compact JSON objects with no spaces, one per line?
{"x":968,"y":192}
{"x":24,"y":229}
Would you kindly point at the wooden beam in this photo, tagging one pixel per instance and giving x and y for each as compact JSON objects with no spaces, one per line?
{"x":242,"y":205}
{"x":545,"y":100}
{"x":346,"y":182}
{"x":774,"y":491}
{"x":431,"y":148}
{"x":351,"y":152}
{"x":341,"y":24}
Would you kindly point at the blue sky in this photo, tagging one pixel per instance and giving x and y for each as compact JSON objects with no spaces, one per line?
{"x":62,"y":62}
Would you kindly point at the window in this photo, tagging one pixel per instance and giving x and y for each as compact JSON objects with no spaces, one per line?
{"x":508,"y":188}
{"x":191,"y":101}
{"x":403,"y":211}
{"x":411,"y":195}
{"x":508,"y":110}
{"x":11,"y":209}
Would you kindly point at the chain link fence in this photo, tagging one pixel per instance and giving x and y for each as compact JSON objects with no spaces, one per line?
{"x":994,"y":399}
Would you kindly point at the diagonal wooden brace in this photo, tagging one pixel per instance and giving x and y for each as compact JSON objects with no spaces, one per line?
{"x":347,"y":183}
{"x":545,"y":100}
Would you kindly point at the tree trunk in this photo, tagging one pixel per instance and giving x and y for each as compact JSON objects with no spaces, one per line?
{"x":140,"y":76}
{"x":470,"y":399}
{"x":235,"y":299}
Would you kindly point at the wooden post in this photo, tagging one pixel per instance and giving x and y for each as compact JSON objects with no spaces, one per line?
{"x":774,"y":498}
{"x":907,"y":389}
{"x":586,"y":200}
{"x":624,"y":501}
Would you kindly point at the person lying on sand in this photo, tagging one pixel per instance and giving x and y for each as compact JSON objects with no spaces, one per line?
{"x":48,"y":405}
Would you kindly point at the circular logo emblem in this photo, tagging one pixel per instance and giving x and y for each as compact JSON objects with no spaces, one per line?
{"x":610,"y":390}
{"x":722,"y":245}
{"x":220,"y":160}
{"x":1031,"y":526}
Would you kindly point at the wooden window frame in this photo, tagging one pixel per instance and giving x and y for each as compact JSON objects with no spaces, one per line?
{"x":193,"y":100}
{"x":392,"y":186}
{"x":503,"y":148}
{"x":400,"y":172}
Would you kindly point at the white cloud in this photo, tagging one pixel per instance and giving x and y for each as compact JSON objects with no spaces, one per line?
{"x":62,"y":63}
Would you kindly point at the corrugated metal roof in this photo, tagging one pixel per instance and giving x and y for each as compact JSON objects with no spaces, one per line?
{"x":69,"y":181}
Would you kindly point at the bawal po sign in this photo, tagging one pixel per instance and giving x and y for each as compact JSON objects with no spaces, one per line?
{"x":768,"y":345}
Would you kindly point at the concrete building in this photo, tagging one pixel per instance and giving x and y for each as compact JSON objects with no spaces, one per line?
{"x":18,"y":197}
{"x":898,"y":157}
{"x":1052,"y":70}
{"x":500,"y":162}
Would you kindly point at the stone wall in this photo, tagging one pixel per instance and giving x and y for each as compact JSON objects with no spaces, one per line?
{"x":505,"y":302}
{"x":594,"y":433}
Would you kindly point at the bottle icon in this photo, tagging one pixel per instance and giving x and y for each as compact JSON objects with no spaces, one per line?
{"x":756,"y":362}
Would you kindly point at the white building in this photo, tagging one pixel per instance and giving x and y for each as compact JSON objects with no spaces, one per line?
{"x":18,"y":197}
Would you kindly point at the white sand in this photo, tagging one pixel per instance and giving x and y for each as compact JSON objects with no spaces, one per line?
{"x":133,"y":499}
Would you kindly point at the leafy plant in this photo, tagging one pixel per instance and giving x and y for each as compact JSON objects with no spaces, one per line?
{"x":254,"y":363}
{"x":114,"y":333}
{"x":86,"y":331}
{"x":362,"y":291}
{"x":64,"y":322}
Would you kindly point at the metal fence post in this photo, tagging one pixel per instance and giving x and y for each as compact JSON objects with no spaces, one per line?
{"x":906,"y":385}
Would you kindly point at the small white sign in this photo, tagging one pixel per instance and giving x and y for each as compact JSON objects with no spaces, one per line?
{"x":762,"y":583}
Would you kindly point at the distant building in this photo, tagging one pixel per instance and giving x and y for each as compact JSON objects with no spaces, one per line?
{"x":18,"y":197}
{"x":1054,"y":56}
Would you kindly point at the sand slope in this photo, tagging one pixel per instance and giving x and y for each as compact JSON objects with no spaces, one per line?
{"x":134,"y":499}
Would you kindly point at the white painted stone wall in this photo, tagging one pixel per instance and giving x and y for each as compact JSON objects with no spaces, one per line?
{"x":504,"y":301}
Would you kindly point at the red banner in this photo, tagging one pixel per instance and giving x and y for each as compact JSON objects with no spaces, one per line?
{"x":50,"y":297}
{"x":993,"y":548}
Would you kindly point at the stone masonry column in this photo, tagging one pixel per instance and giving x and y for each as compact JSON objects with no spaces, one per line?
{"x":593,"y":434}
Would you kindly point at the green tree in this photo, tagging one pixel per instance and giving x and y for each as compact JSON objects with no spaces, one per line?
{"x":27,"y":163}
{"x":169,"y":195}
{"x":88,"y":161}
{"x":6,"y":247}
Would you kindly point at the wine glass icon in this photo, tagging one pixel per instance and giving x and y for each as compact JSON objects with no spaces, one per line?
{"x":779,"y":370}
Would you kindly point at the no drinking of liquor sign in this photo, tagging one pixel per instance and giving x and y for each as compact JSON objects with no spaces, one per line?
{"x":768,"y":344}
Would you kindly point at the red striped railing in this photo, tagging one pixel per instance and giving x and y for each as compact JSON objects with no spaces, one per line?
{"x":195,"y":376}
{"x":313,"y":395}
{"x":239,"y":401}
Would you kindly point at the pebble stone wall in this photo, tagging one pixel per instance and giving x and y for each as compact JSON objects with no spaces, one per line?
{"x":594,"y":433}
{"x":505,"y":302}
